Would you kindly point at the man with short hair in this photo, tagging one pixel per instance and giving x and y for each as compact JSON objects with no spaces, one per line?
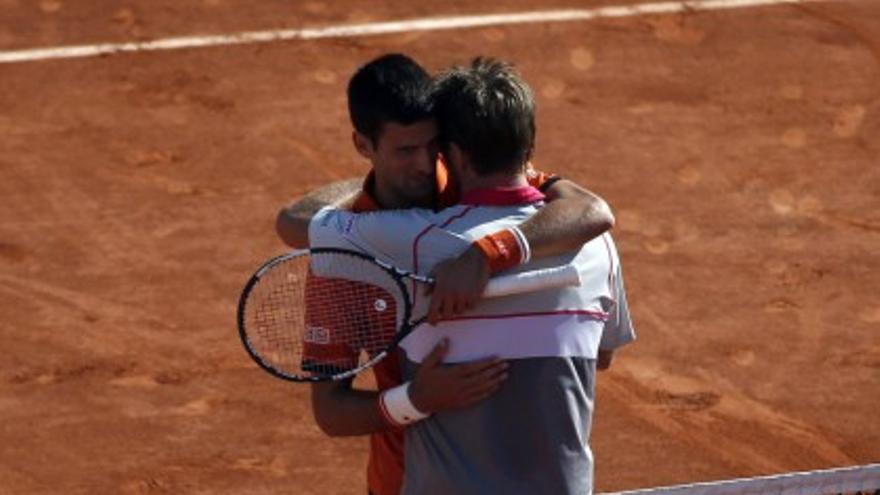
{"x":395,"y":130}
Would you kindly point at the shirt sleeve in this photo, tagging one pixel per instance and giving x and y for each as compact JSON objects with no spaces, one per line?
{"x":618,"y":329}
{"x":339,"y":309}
{"x":329,"y":228}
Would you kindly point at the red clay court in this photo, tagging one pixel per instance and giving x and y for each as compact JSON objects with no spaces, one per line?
{"x":738,"y":147}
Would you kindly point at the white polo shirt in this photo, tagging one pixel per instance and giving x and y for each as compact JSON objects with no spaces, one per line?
{"x":556,"y":322}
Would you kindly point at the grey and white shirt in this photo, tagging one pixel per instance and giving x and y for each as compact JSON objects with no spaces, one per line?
{"x":531,"y":437}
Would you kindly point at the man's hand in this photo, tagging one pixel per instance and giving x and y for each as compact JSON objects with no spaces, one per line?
{"x":438,"y":387}
{"x":459,"y":284}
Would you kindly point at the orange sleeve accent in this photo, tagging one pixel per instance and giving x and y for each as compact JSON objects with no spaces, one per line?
{"x":501,"y":250}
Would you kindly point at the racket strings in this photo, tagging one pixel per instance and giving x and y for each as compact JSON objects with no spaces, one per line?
{"x":323,"y":315}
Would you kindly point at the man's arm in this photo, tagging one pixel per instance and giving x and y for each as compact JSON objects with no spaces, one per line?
{"x":292,"y":222}
{"x":572,"y":217}
{"x":341,"y":410}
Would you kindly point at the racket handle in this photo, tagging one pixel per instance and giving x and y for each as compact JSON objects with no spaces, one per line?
{"x":534,"y":280}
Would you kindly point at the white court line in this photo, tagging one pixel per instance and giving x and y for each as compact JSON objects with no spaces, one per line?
{"x":378,"y":28}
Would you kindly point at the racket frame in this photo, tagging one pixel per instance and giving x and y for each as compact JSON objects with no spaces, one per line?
{"x":396,"y":274}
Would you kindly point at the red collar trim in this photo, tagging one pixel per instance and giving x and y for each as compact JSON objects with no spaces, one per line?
{"x":365,"y":201}
{"x":502,"y":196}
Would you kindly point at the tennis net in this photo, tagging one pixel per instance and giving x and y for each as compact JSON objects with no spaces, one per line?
{"x":856,"y":480}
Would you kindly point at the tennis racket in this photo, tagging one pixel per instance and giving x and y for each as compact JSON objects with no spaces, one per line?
{"x":326,"y":314}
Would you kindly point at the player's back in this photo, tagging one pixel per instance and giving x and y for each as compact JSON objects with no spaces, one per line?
{"x":531,"y":436}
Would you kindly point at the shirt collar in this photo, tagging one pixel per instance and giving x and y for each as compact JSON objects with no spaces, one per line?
{"x":446,"y":192}
{"x":502,"y":196}
{"x":365,"y":201}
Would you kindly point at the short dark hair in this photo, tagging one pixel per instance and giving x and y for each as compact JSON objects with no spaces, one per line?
{"x":390,"y":88}
{"x":489,"y":112}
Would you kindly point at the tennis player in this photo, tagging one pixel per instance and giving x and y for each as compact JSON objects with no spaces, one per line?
{"x":396,"y":131}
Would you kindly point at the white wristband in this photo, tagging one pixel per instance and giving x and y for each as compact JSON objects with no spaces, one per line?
{"x":397,"y":408}
{"x":524,"y":247}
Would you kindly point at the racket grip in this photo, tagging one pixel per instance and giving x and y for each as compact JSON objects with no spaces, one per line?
{"x":534,"y":280}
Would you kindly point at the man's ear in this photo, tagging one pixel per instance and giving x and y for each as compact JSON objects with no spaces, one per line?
{"x":363,"y":145}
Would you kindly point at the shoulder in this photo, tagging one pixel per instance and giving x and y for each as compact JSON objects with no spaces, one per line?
{"x":476,"y":221}
{"x":329,"y":227}
{"x":387,"y":234}
{"x":346,"y":222}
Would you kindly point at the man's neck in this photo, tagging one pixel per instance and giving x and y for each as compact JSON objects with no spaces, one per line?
{"x":495,"y":181}
{"x":383,"y":196}
{"x":385,"y":200}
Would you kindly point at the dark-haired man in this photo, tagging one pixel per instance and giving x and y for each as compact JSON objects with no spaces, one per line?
{"x":396,"y":131}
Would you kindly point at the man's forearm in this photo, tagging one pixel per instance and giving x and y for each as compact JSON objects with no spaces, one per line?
{"x":292,"y":222}
{"x":572,"y":217}
{"x":341,"y":411}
